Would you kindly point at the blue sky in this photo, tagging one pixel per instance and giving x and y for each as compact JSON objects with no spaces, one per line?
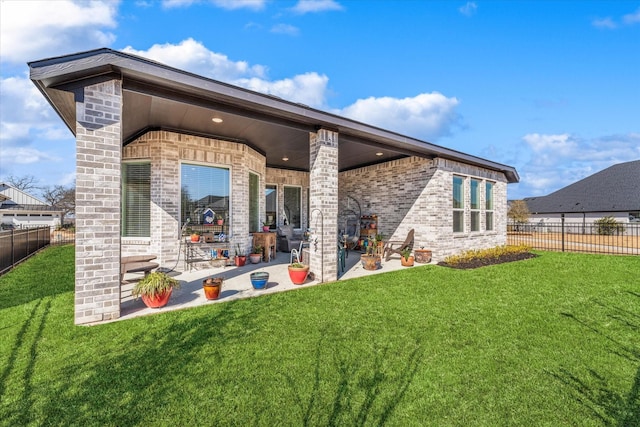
{"x":549,"y":87}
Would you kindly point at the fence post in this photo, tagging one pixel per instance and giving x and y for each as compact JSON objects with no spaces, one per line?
{"x":562,"y":217}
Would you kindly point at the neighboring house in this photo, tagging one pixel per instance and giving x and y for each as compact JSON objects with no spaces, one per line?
{"x":23,"y":210}
{"x":614,"y":192}
{"x":156,"y":144}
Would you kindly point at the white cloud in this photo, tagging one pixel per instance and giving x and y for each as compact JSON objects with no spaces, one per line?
{"x":604,"y":23}
{"x":428,"y":115}
{"x":468,"y":9}
{"x":632,"y":18}
{"x":309,"y":88}
{"x":193,"y":56}
{"x":556,"y":161}
{"x":285,"y":29}
{"x":224,"y":4}
{"x":313,"y":6}
{"x":31,"y":30}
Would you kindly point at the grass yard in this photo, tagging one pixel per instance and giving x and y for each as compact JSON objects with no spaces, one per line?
{"x":550,"y":341}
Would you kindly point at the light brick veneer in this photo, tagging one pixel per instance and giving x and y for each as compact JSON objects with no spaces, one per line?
{"x":167,"y":151}
{"x":417,"y":193}
{"x":324,"y":203}
{"x":98,"y":153}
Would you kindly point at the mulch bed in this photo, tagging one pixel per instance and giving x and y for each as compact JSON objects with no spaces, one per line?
{"x":483,"y":262}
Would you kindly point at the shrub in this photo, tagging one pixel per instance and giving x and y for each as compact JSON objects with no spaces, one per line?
{"x":490,"y":253}
{"x":608,"y":226}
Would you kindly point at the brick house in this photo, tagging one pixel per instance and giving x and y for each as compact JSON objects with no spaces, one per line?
{"x":153,"y":142}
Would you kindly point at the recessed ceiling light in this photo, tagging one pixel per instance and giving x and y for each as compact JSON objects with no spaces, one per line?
{"x":378,"y":154}
{"x":285,"y":158}
{"x":216,"y":120}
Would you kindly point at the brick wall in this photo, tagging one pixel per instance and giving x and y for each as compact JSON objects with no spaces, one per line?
{"x":98,"y":153}
{"x":417,"y":193}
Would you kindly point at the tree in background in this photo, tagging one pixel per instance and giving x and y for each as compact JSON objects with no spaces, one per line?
{"x":26,"y":183}
{"x":518,"y":212}
{"x":61,"y":197}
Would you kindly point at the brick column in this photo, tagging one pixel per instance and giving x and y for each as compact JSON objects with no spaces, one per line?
{"x":323,"y":209}
{"x":98,"y":169}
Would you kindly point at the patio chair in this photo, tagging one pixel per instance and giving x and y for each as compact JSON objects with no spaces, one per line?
{"x":389,"y":248}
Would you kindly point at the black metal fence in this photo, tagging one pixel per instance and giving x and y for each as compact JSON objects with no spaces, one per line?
{"x":623,"y":239}
{"x":18,"y":245}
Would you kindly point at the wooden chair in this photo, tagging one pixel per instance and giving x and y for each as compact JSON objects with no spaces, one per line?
{"x":389,"y":247}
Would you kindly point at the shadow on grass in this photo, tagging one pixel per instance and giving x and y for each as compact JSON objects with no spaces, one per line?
{"x":592,"y":389}
{"x":362,"y":396}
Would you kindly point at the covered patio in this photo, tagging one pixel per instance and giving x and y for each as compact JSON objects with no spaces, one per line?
{"x":156,"y":147}
{"x":237,"y":284}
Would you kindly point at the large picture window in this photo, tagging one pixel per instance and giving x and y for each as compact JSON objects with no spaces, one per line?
{"x":293,"y":206}
{"x":458,"y":204}
{"x":136,"y":199}
{"x":475,"y":205}
{"x":204,"y":191}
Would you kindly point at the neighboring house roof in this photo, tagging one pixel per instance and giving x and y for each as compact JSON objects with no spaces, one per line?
{"x":156,"y":96}
{"x":615,"y":189}
{"x":17,"y":196}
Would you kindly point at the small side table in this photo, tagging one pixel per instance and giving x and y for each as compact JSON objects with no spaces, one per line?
{"x":268,"y":242}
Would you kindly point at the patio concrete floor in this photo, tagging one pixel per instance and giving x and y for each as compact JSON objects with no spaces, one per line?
{"x":236,"y":284}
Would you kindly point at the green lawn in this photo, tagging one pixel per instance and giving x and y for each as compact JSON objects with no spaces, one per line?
{"x":550,"y":341}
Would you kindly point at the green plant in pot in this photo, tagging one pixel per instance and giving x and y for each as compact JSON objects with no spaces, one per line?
{"x":406,"y":259}
{"x":371,"y":260}
{"x":256,"y":254}
{"x":241,"y":257}
{"x":155,"y":289}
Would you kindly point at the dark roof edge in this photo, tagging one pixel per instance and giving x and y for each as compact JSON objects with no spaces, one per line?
{"x":97,"y":60}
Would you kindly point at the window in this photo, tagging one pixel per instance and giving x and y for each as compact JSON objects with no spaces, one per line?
{"x":475,"y":205}
{"x":136,"y":199}
{"x":292,"y":206}
{"x":203,"y":188}
{"x":254,"y":202}
{"x":271,"y":205}
{"x":488,"y":201}
{"x":458,"y":204}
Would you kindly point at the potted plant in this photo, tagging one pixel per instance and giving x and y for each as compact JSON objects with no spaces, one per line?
{"x":155,"y":289}
{"x":265,"y":226}
{"x":259,"y":279}
{"x":406,"y":258}
{"x":241,"y":256}
{"x":212,"y":287}
{"x":219,"y":219}
{"x":371,"y":259}
{"x":195,"y":236}
{"x":298,"y":272}
{"x":422,"y":255}
{"x":256,"y":254}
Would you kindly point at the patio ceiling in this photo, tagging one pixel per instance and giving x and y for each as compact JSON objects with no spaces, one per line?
{"x":156,"y":96}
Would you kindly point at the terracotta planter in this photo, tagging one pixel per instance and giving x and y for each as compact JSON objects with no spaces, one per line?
{"x":422,"y":256}
{"x":212,"y":287}
{"x":371,"y":262}
{"x":157,"y":301}
{"x":265,"y":228}
{"x":220,"y":221}
{"x":195,"y":238}
{"x":298,"y":275}
{"x":240,"y":260}
{"x":259,"y":279}
{"x":255,"y":258}
{"x":407,"y":262}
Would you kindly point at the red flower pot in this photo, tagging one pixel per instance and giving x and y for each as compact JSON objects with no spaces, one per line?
{"x":240,"y":260}
{"x":157,"y":301}
{"x":212,"y":288}
{"x":298,"y":275}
